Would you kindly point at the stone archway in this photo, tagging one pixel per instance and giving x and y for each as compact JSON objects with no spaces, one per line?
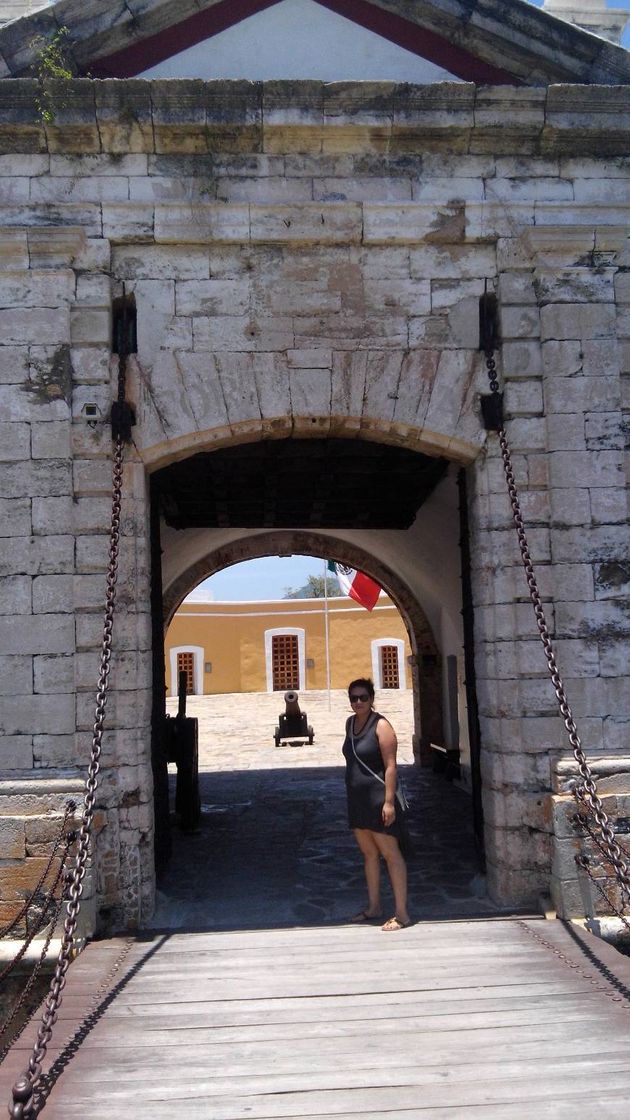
{"x":426,"y":684}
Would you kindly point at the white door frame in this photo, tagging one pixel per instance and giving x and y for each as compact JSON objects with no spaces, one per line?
{"x":377,"y":677}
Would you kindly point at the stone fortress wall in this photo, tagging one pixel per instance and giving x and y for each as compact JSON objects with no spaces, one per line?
{"x":309,"y":258}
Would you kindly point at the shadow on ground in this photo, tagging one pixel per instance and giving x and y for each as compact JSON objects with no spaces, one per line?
{"x":274,"y":849}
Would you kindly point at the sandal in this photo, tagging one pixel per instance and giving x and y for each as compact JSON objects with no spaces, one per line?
{"x":363,"y":916}
{"x":395,"y":923}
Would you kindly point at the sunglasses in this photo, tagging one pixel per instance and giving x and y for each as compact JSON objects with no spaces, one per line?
{"x":359,"y":698}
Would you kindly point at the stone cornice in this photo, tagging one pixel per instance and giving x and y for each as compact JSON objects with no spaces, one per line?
{"x":516,"y":37}
{"x":189,"y":116}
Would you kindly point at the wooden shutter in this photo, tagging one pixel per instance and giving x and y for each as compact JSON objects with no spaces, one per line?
{"x":285,"y":662}
{"x":389,"y":667}
{"x":186,"y":664}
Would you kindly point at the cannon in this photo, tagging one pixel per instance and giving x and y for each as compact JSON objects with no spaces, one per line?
{"x":292,"y":723}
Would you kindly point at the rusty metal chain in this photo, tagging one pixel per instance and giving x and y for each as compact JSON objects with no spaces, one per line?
{"x":102,"y":993}
{"x":54,"y":904}
{"x":582,"y":821}
{"x":588,"y":790}
{"x":21,"y":1107}
{"x":583,"y":862}
{"x":596,"y":982}
{"x":10,"y":926}
{"x":561,"y":955}
{"x":40,"y":922}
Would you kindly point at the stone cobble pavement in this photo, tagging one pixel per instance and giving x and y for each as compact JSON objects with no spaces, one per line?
{"x":274,"y":848}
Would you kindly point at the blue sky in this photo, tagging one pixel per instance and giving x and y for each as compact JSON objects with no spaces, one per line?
{"x":267,"y":578}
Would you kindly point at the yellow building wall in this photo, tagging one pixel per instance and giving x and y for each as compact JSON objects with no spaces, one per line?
{"x":232,"y":638}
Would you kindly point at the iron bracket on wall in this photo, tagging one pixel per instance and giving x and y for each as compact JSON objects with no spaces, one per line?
{"x":492,"y":411}
{"x":124,"y":343}
{"x":489,"y":340}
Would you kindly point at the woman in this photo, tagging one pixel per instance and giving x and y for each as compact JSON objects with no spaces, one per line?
{"x":370,"y":753}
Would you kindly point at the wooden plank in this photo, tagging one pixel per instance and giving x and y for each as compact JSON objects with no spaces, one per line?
{"x":221,"y":1093}
{"x":165,"y":1037}
{"x":129,"y":1019}
{"x":447,"y":1019}
{"x":177,"y":1063}
{"x":367,"y":1100}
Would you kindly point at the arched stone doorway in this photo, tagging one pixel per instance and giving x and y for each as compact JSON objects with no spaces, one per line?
{"x":212,"y":510}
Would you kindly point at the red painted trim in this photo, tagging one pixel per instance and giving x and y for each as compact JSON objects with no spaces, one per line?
{"x":154,"y":49}
{"x":420,"y":41}
{"x":131,"y":60}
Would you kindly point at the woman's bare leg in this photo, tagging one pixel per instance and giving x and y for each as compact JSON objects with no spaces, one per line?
{"x":397,"y":871}
{"x":372,"y":868}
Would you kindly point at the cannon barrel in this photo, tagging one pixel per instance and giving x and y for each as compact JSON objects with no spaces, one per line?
{"x":291,"y":703}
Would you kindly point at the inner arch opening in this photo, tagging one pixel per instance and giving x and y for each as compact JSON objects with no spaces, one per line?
{"x":384,"y":510}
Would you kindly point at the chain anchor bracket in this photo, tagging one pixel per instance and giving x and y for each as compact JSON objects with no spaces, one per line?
{"x":124,"y":343}
{"x":489,"y":340}
{"x":492,"y":411}
{"x":122,"y":419}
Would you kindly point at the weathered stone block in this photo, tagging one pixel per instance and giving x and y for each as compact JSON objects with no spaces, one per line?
{"x":50,"y":440}
{"x":565,"y":432}
{"x":561,"y":359}
{"x":570,"y":506}
{"x":16,"y":675}
{"x":201,"y":223}
{"x":520,"y":322}
{"x":15,"y":442}
{"x":91,"y":476}
{"x":212,"y":297}
{"x":52,"y":633}
{"x":13,"y":362}
{"x":523,"y":398}
{"x":412,"y":223}
{"x":584,"y":620}
{"x":90,"y":326}
{"x":50,"y":477}
{"x":161,"y":262}
{"x":582,"y":394}
{"x":604,"y":430}
{"x":15,"y":517}
{"x":52,"y":752}
{"x":577,"y":320}
{"x":15,"y":594}
{"x":526,"y":433}
{"x":592,"y":470}
{"x":124,"y":117}
{"x":52,"y":593}
{"x":53,"y":674}
{"x":33,"y":714}
{"x":16,"y":752}
{"x":12,"y":839}
{"x":48,"y":325}
{"x":33,"y":556}
{"x":609,"y":505}
{"x":18,"y":880}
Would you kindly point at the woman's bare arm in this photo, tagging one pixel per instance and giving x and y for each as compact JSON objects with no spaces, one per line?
{"x":387,"y":744}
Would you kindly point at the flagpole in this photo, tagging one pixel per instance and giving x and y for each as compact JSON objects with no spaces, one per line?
{"x":326,"y":631}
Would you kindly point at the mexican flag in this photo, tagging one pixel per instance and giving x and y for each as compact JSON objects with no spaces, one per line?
{"x":355,"y":584}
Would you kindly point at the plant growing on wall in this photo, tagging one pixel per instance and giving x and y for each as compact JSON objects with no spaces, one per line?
{"x":53,"y":71}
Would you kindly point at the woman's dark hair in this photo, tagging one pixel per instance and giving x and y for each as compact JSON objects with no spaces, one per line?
{"x":363,"y":682}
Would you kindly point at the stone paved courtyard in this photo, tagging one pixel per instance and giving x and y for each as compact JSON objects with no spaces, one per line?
{"x":274,"y":848}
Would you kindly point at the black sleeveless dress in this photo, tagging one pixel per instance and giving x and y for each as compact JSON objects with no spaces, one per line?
{"x":364,"y":792}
